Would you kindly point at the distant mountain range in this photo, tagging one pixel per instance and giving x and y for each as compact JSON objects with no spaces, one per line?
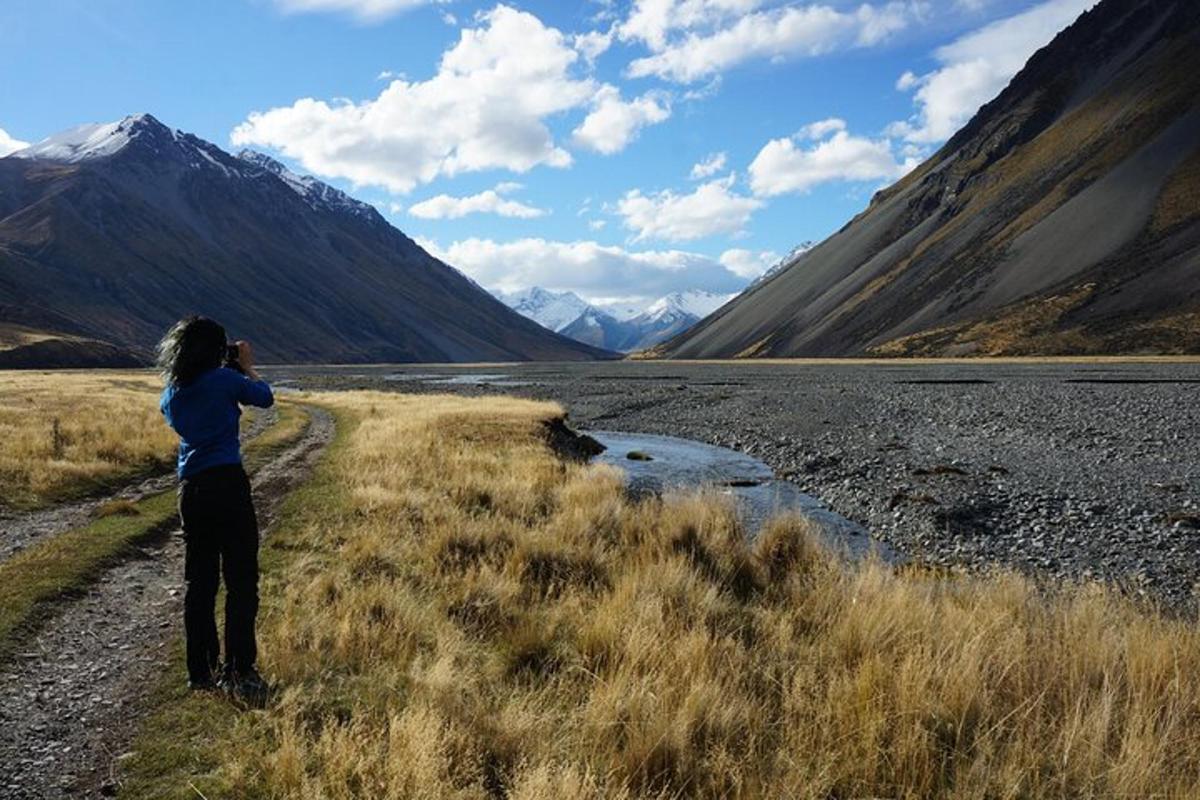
{"x":108,"y":233}
{"x":1064,"y":218}
{"x":612,"y":327}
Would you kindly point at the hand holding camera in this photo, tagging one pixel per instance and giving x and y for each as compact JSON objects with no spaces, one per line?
{"x":240,"y":356}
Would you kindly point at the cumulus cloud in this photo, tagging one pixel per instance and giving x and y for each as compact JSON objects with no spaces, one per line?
{"x":783,"y":165}
{"x":366,"y":10}
{"x":8,"y":144}
{"x":492,"y":201}
{"x":773,"y":33}
{"x":713,"y":208}
{"x":975,"y":67}
{"x":587,"y":268}
{"x":749,"y":264}
{"x":613,"y":122}
{"x":484,"y":109}
{"x":709,"y":166}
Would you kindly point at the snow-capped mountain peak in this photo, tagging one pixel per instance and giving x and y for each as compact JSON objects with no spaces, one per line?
{"x":692,"y":303}
{"x":791,"y":258}
{"x":136,"y":136}
{"x":613,"y":326}
{"x":96,"y":140}
{"x":553,"y":310}
{"x":142,"y":133}
{"x":316,"y":193}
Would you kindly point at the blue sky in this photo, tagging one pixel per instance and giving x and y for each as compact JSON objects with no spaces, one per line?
{"x":619,"y":149}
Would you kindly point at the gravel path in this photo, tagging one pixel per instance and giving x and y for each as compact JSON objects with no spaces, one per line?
{"x":70,"y":698}
{"x":1070,"y":470}
{"x":20,"y":529}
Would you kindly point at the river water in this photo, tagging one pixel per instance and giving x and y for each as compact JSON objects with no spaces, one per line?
{"x":661,"y":463}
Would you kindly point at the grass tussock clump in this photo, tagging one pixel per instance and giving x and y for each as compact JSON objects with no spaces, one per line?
{"x":474,"y":618}
{"x":67,"y":434}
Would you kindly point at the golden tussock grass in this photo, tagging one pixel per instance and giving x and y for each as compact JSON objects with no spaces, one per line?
{"x":66,"y":434}
{"x":460,"y":614}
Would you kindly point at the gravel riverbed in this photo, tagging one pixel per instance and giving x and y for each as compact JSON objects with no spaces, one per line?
{"x":1087,"y":470}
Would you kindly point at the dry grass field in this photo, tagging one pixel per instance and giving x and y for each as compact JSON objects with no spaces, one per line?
{"x":64,"y":435}
{"x":451,"y":611}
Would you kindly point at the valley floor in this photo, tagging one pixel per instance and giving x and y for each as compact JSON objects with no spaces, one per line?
{"x":1075,"y":470}
{"x":453,"y":606}
{"x":452,"y":609}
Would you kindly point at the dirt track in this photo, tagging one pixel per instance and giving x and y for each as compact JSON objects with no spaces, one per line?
{"x":70,"y":697}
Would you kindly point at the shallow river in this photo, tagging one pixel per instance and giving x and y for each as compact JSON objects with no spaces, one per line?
{"x":664,"y":462}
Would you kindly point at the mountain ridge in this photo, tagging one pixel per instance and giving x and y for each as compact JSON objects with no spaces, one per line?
{"x":121,"y":233}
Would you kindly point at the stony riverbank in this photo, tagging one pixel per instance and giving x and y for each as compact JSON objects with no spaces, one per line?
{"x":1073,"y":471}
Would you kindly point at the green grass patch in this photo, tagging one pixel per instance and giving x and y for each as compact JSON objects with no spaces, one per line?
{"x":177,"y":752}
{"x":86,"y":488}
{"x":67,"y":563}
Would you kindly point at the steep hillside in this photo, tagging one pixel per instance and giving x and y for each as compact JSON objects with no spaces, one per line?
{"x":110,"y":232}
{"x":1064,"y":218}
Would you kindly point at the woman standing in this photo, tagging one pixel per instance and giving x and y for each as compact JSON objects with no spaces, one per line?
{"x":205,"y":387}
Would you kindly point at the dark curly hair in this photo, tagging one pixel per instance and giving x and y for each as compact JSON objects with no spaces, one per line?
{"x":191,"y":347}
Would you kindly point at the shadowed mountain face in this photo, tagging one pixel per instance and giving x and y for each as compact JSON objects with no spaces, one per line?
{"x":111,"y":232}
{"x":1063,"y":219}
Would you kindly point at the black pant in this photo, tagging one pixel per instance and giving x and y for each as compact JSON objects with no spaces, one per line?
{"x":221,"y":532}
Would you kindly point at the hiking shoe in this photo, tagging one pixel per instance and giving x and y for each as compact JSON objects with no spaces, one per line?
{"x":247,"y":686}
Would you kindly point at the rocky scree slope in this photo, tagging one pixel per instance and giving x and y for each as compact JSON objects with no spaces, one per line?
{"x":1064,"y":218}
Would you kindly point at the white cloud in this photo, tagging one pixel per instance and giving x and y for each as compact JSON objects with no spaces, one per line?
{"x":770,"y":33}
{"x":822,"y":128}
{"x":484,"y":109}
{"x":589,"y":269}
{"x":651,"y":21}
{"x":977,"y":66}
{"x":613,"y":123}
{"x":783,"y":166}
{"x":711,"y":209}
{"x":597,"y":224}
{"x":449,"y":19}
{"x":10,"y":145}
{"x":749,"y":264}
{"x":492,"y":201}
{"x":711,"y":165}
{"x":366,"y":10}
{"x":593,"y":44}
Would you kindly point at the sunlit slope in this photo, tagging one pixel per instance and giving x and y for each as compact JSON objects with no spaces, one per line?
{"x":1063,"y":219}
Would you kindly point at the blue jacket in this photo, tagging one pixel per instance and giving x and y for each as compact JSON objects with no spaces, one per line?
{"x":205,"y":414}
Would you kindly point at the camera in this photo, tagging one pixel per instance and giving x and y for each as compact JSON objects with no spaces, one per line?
{"x":233,"y":357}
